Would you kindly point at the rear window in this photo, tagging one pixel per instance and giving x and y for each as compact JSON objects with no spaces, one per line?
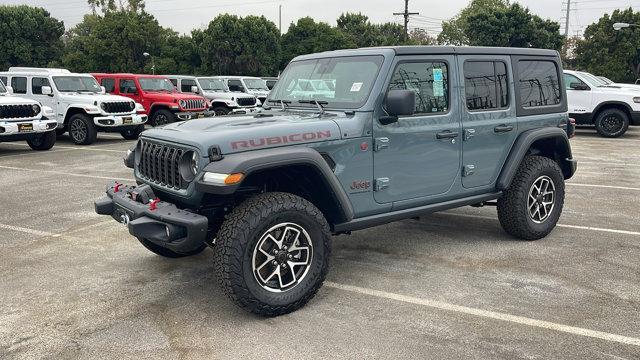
{"x":485,"y":84}
{"x":539,"y":84}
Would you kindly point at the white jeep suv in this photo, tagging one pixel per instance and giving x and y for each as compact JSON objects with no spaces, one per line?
{"x":26,"y":119}
{"x":247,"y":84}
{"x":610,"y":109}
{"x":80,"y":105}
{"x":223,"y":101}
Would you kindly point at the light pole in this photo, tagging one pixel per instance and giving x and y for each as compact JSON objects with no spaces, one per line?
{"x":620,"y":26}
{"x":153,"y":65}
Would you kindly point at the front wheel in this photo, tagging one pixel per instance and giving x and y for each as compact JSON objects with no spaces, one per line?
{"x":43,"y":142}
{"x":612,"y":123}
{"x":221,"y":111}
{"x":162,"y":117}
{"x":132,"y":132}
{"x":531,"y":206}
{"x":272,"y":253}
{"x":82,"y":130}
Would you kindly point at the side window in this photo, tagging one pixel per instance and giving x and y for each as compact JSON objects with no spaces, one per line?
{"x":37,"y":83}
{"x":539,"y":83}
{"x":428,"y":80}
{"x":3,"y":79}
{"x":109,"y":84}
{"x":236,"y":85}
{"x":127,"y":86}
{"x":186,"y":85}
{"x":486,"y":85}
{"x":19,"y":85}
{"x":174,"y":82}
{"x":570,"y":79}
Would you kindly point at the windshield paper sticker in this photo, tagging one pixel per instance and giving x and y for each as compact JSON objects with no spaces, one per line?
{"x":356,"y":87}
{"x":438,"y":83}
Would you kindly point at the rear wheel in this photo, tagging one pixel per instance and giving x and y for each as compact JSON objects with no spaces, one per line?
{"x":132,"y":132}
{"x":43,"y":142}
{"x":162,"y":117}
{"x":82,"y":130}
{"x":272,"y":253}
{"x":612,"y":123}
{"x":162,"y":251}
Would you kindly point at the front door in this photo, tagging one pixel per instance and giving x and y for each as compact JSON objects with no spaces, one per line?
{"x":128,"y":88}
{"x":579,"y":96}
{"x":419,"y":155}
{"x":36,"y":92}
{"x":489,"y":117}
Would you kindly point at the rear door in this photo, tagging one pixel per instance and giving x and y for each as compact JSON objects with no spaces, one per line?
{"x":489,"y":116}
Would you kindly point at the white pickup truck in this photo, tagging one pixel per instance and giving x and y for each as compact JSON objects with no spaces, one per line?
{"x":610,"y":108}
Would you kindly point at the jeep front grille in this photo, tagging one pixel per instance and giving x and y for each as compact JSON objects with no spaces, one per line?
{"x":161,"y":164}
{"x":193,"y":105}
{"x":118,"y":107}
{"x":246,"y":101}
{"x":17,"y":111}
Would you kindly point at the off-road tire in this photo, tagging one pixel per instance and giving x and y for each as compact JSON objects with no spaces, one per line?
{"x":43,"y":142}
{"x":221,"y":111}
{"x":513,"y":211}
{"x":158,"y":116}
{"x":132,"y":132}
{"x":78,"y":122}
{"x":240,"y":233}
{"x":162,"y":251}
{"x":605,"y":130}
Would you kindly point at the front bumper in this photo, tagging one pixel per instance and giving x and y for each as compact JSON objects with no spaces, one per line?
{"x":162,"y":223}
{"x":12,"y":128}
{"x":635,"y":118}
{"x":120,"y":120}
{"x":243,"y":110}
{"x":195,"y":115}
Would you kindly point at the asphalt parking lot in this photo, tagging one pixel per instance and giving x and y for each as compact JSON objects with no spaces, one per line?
{"x":451,"y":285}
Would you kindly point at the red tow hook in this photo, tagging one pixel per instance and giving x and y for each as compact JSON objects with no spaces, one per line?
{"x":153,"y":204}
{"x":116,"y":187}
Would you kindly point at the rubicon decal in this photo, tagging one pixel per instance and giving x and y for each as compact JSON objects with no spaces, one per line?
{"x":280,"y":140}
{"x":360,"y":185}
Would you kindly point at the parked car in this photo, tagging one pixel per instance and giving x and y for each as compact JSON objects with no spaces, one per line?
{"x":27,"y":120}
{"x":409,"y":131}
{"x":598,"y":80}
{"x":247,"y":84}
{"x":270,"y":81}
{"x":80,"y":105}
{"x":610,"y":108}
{"x":159,"y":98}
{"x":221,"y":99}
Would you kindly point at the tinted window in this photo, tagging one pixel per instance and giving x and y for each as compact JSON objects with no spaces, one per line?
{"x":37,"y":83}
{"x":186,"y":85}
{"x":485,"y":85}
{"x":570,"y":79}
{"x":127,"y":86}
{"x":174,"y":82}
{"x":429,"y":81}
{"x":235,"y":85}
{"x":19,"y":85}
{"x":539,"y":83}
{"x":109,"y":84}
{"x":4,"y":80}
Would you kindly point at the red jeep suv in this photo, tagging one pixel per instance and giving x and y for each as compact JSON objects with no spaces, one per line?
{"x":162,"y":102}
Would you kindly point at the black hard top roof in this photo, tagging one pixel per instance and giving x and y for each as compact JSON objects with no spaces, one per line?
{"x":475,"y":50}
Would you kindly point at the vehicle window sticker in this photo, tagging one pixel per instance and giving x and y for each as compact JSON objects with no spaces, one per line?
{"x":356,"y":87}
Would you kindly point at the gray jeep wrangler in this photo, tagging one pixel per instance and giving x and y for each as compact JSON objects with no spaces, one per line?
{"x":403,"y":131}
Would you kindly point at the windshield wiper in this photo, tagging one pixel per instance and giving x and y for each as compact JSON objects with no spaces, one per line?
{"x":318,"y":103}
{"x":283,"y":103}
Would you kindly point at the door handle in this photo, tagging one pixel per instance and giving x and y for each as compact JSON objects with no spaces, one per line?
{"x":448,"y":134}
{"x":503,"y":128}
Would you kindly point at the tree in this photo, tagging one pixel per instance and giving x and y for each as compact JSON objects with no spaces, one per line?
{"x":454,"y":30}
{"x":365,"y":34}
{"x":111,"y":5}
{"x":307,"y":36}
{"x":607,"y":52}
{"x":232,"y":45}
{"x":514,"y":26}
{"x":30,"y":36}
{"x":421,"y":37}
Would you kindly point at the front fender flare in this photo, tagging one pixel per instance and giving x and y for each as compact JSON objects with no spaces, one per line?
{"x":522,"y":145}
{"x":251,"y":161}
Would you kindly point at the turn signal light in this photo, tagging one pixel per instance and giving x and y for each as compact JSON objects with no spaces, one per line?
{"x":233,"y":179}
{"x":222,"y":179}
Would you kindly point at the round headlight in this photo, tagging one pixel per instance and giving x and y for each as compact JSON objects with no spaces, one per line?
{"x":183,"y":103}
{"x":194,"y":163}
{"x":35,"y":108}
{"x":103,"y":106}
{"x":132,"y":105}
{"x":189,"y":165}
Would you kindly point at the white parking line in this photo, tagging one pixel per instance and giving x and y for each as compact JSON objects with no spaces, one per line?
{"x":68,"y":174}
{"x":488,"y":314}
{"x":87,"y":148}
{"x":25,"y":230}
{"x":591,"y":228}
{"x":605,"y":186}
{"x":52,"y":151}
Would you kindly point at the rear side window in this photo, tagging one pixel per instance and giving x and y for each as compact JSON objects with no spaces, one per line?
{"x":19,"y":85}
{"x":186,"y":85}
{"x":109,"y":84}
{"x":127,"y":86}
{"x":37,"y":83}
{"x":428,"y":80}
{"x":539,"y":84}
{"x":485,"y":84}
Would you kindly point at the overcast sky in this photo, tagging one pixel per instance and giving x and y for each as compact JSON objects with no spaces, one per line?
{"x":183,"y":16}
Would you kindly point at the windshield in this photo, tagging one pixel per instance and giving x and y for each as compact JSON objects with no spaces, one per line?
{"x":156,"y":84}
{"x":255,"y":84}
{"x":77,"y":84}
{"x":592,"y":79}
{"x":2,"y":88}
{"x":211,"y":84}
{"x":343,"y":82}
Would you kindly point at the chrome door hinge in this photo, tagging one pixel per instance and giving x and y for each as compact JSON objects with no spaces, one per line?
{"x":468,"y":170}
{"x":381,"y":184}
{"x":468,"y":134}
{"x":380,"y":143}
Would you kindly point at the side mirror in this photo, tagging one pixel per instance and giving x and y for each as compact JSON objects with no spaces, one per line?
{"x":9,"y":89}
{"x":578,"y":86}
{"x":46,"y":90}
{"x":400,"y":102}
{"x":194,"y":89}
{"x":103,"y":89}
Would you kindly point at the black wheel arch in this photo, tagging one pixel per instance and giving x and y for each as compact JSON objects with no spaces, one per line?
{"x":626,"y":108}
{"x":549,"y":142}
{"x":296,"y":170}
